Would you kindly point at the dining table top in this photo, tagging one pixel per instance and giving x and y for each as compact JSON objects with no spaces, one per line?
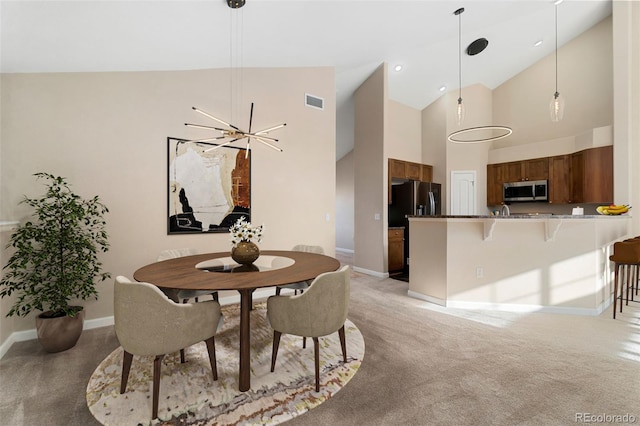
{"x":206,"y":272}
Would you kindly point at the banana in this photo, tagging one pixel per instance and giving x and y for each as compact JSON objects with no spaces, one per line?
{"x":616,"y":209}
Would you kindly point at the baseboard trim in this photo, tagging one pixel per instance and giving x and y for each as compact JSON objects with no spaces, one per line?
{"x":31,"y":334}
{"x":22,"y":336}
{"x":426,"y":298}
{"x":372,"y":273}
{"x":345,"y":250}
{"x":510,"y":307}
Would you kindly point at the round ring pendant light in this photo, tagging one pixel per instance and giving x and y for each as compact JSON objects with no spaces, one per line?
{"x":456,"y":136}
{"x":477,"y":134}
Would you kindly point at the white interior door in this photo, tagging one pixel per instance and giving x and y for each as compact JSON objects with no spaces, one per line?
{"x":463,"y":193}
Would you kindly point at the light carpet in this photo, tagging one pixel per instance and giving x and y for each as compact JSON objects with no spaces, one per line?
{"x":189,"y":395}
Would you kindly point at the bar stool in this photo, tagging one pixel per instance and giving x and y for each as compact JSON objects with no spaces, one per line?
{"x":635,"y":280}
{"x":626,"y":255}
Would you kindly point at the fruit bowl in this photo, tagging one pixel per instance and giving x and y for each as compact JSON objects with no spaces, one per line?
{"x":613,"y":210}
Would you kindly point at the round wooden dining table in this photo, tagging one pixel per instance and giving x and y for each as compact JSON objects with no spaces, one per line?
{"x":217,"y":271}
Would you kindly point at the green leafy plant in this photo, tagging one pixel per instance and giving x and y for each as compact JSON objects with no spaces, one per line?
{"x":56,"y":254}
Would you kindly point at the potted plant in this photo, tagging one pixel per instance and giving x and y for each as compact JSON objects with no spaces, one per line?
{"x":56,"y":260}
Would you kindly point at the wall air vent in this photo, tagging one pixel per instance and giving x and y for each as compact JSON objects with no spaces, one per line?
{"x":313,"y":101}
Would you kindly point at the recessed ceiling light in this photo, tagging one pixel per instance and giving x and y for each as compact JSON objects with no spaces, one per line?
{"x":398,"y":68}
{"x":537,"y":43}
{"x":442,"y":88}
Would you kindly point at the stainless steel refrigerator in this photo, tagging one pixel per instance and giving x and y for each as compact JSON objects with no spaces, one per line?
{"x":412,"y":198}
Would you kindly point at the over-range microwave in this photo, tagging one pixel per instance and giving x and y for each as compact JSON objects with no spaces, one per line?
{"x":531,"y":190}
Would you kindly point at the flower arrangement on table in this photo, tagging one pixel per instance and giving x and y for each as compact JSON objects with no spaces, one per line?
{"x":243,"y":232}
{"x":245,"y":251}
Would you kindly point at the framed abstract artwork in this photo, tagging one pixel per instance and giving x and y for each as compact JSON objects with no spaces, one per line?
{"x":208,"y":190}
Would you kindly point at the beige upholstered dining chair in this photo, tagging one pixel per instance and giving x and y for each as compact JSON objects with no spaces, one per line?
{"x":304,"y":284}
{"x":319,"y":311}
{"x":183,"y":295}
{"x":148,"y":323}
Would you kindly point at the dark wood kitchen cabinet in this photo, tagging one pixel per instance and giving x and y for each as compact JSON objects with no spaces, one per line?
{"x":396,"y":249}
{"x":582,"y":177}
{"x":592,"y":175}
{"x":535,"y":169}
{"x":495,"y":179}
{"x":560,"y":179}
{"x":413,"y":171}
{"x":408,"y":170}
{"x":396,"y":169}
{"x":427,"y":173}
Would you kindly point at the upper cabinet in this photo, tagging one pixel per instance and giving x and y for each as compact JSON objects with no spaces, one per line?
{"x":516,"y":171}
{"x":583,"y":177}
{"x":536,"y":169}
{"x":592,"y":175}
{"x":407,"y":170}
{"x":426,"y":173}
{"x":560,"y":179}
{"x":412,"y":171}
{"x":496,"y":176}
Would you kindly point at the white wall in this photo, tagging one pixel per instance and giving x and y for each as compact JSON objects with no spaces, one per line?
{"x":404,"y":136}
{"x":106,"y":133}
{"x":370,"y":208}
{"x":585,"y":80}
{"x":344,"y":203}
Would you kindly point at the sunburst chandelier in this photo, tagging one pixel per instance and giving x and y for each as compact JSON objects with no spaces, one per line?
{"x":230,"y":132}
{"x":234,"y":133}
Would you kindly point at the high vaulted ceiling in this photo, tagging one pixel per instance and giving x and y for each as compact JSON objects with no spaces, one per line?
{"x":355,"y":37}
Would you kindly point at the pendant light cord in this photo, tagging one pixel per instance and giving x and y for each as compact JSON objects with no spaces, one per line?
{"x":556,"y":15}
{"x":460,"y":55}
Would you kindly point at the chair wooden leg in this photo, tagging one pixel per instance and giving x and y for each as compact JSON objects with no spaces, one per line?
{"x":126,"y":366}
{"x":304,"y":342}
{"x":211,"y":348}
{"x":157,"y":363}
{"x":316,"y":352}
{"x":215,"y":296}
{"x":343,"y":343}
{"x":274,"y":351}
{"x":278,"y":289}
{"x":182,"y":359}
{"x":615,"y":289}
{"x":628,"y":280}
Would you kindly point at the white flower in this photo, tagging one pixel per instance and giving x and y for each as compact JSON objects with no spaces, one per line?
{"x":242,"y":231}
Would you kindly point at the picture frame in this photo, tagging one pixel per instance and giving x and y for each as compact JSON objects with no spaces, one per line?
{"x":208,"y":188}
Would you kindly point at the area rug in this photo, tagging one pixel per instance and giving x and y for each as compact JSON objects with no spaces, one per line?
{"x":190,"y":396}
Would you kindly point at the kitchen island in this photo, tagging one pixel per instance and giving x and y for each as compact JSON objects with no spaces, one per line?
{"x":553,"y":263}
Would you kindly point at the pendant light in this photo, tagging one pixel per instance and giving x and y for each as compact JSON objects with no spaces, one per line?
{"x":460,"y":106}
{"x":230,"y":133}
{"x":478,"y":134}
{"x":556,"y":106}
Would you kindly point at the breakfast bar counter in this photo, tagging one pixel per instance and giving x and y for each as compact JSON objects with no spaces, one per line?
{"x":553,"y":263}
